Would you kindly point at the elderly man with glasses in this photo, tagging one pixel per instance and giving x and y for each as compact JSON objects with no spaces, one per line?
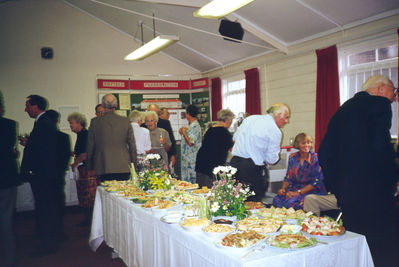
{"x":358,"y":163}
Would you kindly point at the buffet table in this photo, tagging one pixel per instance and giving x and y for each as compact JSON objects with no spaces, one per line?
{"x":141,"y":239}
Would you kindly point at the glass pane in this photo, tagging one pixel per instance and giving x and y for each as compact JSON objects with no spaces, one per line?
{"x":388,"y":52}
{"x":364,"y":57}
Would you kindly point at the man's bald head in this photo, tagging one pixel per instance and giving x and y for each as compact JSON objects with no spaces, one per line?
{"x":154,"y":107}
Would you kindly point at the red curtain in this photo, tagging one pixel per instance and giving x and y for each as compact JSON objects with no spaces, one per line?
{"x":327,"y":90}
{"x":216,"y":95}
{"x":252,"y":91}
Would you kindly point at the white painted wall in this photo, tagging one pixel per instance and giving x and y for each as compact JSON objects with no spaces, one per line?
{"x":83,"y":47}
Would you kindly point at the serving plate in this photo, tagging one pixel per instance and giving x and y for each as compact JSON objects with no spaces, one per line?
{"x":218,"y":235}
{"x":172,"y":218}
{"x":272,"y":243}
{"x":219,"y":244}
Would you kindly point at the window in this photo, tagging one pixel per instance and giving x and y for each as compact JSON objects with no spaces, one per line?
{"x":233,"y":94}
{"x":360,"y":61}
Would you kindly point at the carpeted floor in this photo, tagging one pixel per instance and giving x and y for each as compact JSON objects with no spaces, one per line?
{"x":74,"y":252}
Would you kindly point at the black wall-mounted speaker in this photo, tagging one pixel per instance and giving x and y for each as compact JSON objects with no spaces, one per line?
{"x":47,"y":52}
{"x":231,"y":29}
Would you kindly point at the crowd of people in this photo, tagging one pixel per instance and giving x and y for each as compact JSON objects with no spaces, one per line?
{"x":354,"y":172}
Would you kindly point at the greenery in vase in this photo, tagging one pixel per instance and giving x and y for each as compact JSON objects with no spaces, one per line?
{"x":227,"y":194}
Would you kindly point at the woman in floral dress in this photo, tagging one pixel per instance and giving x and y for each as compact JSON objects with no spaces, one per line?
{"x":304,"y":175}
{"x":190,"y":144}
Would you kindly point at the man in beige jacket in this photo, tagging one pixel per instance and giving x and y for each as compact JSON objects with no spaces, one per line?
{"x":111,"y":146}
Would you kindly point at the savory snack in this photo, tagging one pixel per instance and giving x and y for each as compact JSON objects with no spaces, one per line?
{"x":282,"y":213}
{"x":242,"y":240}
{"x":218,"y":228}
{"x":290,"y":241}
{"x":166,"y":204}
{"x":203,"y":190}
{"x":183,"y":197}
{"x":193,"y":222}
{"x":183,"y":185}
{"x":252,"y":205}
{"x":322,"y":226}
{"x":165,"y":194}
{"x":263,"y":226}
{"x":152,"y":203}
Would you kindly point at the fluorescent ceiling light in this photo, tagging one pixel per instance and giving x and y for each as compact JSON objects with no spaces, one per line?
{"x":152,"y":47}
{"x":220,"y":8}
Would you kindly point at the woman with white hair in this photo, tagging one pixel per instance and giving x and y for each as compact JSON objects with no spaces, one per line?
{"x":141,"y":134}
{"x":213,"y":152}
{"x":160,"y":141}
{"x":85,"y":186}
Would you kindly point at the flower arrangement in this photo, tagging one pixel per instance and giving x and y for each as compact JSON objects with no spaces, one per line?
{"x":227,"y":194}
{"x":155,"y":176}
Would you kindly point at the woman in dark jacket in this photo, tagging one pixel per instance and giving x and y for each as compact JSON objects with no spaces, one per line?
{"x":215,"y":146}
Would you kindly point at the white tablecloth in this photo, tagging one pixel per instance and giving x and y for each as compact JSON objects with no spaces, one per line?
{"x":141,"y":239}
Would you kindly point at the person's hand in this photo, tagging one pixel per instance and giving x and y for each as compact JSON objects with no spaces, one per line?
{"x":291,"y":194}
{"x":23,"y":139}
{"x":173,"y":160}
{"x":74,"y":165}
{"x":182,"y":130}
{"x":281,"y":192}
{"x":162,"y":140}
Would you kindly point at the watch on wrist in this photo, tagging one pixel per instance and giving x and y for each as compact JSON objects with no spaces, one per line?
{"x":299,"y":191}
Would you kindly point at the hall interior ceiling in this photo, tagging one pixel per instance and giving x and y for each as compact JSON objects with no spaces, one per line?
{"x":269,"y":25}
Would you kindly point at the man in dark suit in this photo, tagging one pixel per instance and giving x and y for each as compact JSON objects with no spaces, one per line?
{"x":8,"y":187}
{"x":357,"y":159}
{"x":63,"y":156}
{"x":40,"y":168}
{"x":111,"y":146}
{"x":165,"y":124}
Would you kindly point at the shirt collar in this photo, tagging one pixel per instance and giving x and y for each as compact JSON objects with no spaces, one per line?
{"x":38,"y":116}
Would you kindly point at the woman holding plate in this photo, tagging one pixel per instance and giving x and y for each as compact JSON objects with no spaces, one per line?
{"x":304,"y":175}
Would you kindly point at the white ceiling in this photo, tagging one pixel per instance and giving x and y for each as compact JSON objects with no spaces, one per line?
{"x":270,"y":25}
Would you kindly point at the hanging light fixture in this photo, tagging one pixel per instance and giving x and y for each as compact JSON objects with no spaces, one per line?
{"x":153,"y":46}
{"x":220,"y":8}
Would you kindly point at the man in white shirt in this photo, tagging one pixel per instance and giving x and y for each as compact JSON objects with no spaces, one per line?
{"x":257,"y":143}
{"x":142,"y":135}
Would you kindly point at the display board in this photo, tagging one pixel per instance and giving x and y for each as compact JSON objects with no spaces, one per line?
{"x":172,"y":94}
{"x":176,"y":104}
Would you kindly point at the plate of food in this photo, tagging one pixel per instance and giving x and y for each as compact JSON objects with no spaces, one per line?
{"x":204,"y":191}
{"x":139,"y":200}
{"x":263,"y":226}
{"x":183,"y":185}
{"x":151,"y":203}
{"x":217,"y":230}
{"x":290,"y":229}
{"x":290,"y":241}
{"x":194,"y":224}
{"x":252,"y":205}
{"x":240,"y":240}
{"x":223,"y":221}
{"x":163,"y":207}
{"x":322,"y":227}
{"x":290,"y":215}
